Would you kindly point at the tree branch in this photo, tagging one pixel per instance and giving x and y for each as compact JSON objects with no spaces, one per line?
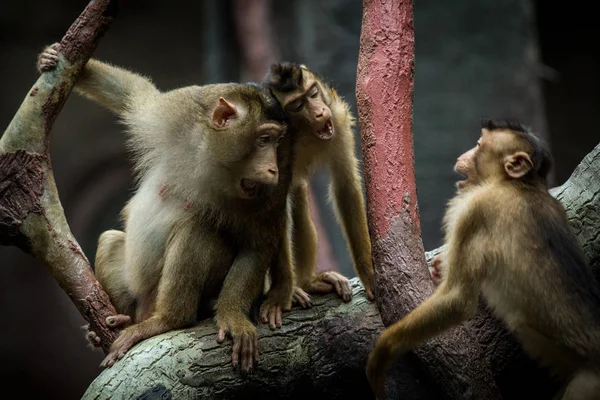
{"x":384,"y":91}
{"x":31,"y":215}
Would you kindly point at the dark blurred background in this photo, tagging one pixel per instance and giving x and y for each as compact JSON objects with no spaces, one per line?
{"x":533,"y":60}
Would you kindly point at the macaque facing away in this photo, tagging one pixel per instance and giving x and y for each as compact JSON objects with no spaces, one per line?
{"x":209,"y":214}
{"x":321,"y":123}
{"x":508,"y":239}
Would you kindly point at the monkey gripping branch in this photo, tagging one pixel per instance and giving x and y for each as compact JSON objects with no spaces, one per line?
{"x":321,"y":351}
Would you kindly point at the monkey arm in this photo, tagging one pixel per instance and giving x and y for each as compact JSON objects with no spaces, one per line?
{"x":304,"y":236}
{"x":350,"y":210}
{"x":112,"y":87}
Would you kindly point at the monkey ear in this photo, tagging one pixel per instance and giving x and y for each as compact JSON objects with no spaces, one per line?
{"x":223,"y":112}
{"x":518,"y":164}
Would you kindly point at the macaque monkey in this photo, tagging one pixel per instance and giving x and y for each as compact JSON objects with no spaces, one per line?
{"x":209,"y":214}
{"x":508,"y":239}
{"x":321,"y":123}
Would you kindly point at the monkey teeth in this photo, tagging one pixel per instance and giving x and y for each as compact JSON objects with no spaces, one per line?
{"x":327,"y":132}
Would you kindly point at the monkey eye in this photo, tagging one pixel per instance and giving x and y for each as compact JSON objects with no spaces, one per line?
{"x":314,"y":92}
{"x":297,"y":105}
{"x":264,"y":139}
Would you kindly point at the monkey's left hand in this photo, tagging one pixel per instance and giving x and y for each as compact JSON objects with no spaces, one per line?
{"x":377,"y":366}
{"x":245,"y":340}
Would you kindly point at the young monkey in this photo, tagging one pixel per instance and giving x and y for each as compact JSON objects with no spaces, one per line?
{"x":321,"y":123}
{"x":209,"y":214}
{"x":509,"y":240}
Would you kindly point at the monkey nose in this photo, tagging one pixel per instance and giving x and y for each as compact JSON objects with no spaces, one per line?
{"x":273,"y":171}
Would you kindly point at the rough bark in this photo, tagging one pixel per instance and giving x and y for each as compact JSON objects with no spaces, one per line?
{"x":384,"y":94}
{"x":322,"y":352}
{"x":31,"y":215}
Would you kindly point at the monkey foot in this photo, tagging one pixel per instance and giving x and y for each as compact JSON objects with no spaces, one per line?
{"x":92,"y":338}
{"x":270,"y":313}
{"x":118,"y":321}
{"x":245,"y":342}
{"x":328,"y":281}
{"x":302,"y":298}
{"x":113,"y":322}
{"x":48,"y":59}
{"x":126,"y":340}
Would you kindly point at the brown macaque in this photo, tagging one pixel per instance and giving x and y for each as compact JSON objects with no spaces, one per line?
{"x":321,"y":123}
{"x":209,"y":214}
{"x":509,"y":240}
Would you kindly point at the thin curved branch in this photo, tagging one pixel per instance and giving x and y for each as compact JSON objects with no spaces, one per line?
{"x":31,"y":215}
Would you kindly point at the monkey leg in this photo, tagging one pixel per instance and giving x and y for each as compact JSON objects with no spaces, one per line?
{"x":109,"y":268}
{"x":585,"y":385}
{"x":110,"y":271}
{"x":305,"y":253}
{"x":190,"y":256}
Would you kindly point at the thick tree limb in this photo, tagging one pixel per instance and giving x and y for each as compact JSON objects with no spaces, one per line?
{"x":31,"y":215}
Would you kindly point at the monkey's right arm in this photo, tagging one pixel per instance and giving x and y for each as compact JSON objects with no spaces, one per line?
{"x":241,"y":288}
{"x":454,"y":301}
{"x":108,"y":85}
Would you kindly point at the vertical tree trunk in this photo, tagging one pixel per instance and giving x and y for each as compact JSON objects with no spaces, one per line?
{"x":384,"y":97}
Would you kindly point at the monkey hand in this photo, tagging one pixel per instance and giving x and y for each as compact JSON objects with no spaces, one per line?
{"x":301,"y":298}
{"x":377,"y":367}
{"x":48,"y":59}
{"x":272,"y":308}
{"x":245,"y":340}
{"x":436,"y":269}
{"x":126,"y":340}
{"x":326,"y":282}
{"x":113,"y":322}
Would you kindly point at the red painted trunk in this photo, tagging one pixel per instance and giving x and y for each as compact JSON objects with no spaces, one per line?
{"x":384,"y":98}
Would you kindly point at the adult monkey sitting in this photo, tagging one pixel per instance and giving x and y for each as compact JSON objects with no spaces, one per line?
{"x":209,"y":214}
{"x":321,"y":123}
{"x":508,"y":239}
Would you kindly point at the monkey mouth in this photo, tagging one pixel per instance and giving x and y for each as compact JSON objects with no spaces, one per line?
{"x":463,"y":178}
{"x":327,"y":131}
{"x":249,"y":188}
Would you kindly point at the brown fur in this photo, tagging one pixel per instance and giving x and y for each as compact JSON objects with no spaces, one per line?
{"x":509,"y":240}
{"x":308,"y":110}
{"x":192,"y":229}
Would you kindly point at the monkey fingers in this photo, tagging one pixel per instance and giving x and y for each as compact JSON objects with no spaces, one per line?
{"x":245,"y":342}
{"x":126,"y":340}
{"x":338,"y":281}
{"x":118,"y":321}
{"x":302,"y":298}
{"x":92,"y":338}
{"x":271,"y":313}
{"x":48,"y":59}
{"x":436,"y":270}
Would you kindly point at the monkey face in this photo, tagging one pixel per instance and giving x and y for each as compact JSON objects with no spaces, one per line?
{"x":499,"y":154}
{"x":246,"y":146}
{"x":310,"y":111}
{"x":259,"y":168}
